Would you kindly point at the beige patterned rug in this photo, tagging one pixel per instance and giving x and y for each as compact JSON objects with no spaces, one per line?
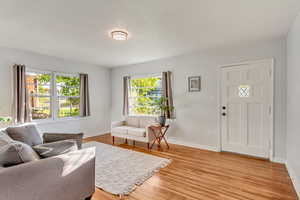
{"x":119,"y":171}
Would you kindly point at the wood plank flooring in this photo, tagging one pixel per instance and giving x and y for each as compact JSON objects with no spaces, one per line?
{"x":198,"y":174}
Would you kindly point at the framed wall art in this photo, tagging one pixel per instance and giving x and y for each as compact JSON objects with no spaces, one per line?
{"x":194,"y":83}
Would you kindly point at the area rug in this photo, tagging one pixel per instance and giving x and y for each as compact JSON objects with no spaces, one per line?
{"x":119,"y":171}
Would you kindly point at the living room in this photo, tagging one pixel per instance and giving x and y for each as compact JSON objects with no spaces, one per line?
{"x":131,"y":99}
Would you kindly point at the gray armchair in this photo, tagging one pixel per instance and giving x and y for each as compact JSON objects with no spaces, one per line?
{"x":65,"y":173}
{"x":69,"y":176}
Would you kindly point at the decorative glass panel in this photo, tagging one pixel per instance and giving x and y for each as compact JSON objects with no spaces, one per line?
{"x":244,"y":91}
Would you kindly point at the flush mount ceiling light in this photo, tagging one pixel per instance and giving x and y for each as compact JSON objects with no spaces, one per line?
{"x":119,"y":35}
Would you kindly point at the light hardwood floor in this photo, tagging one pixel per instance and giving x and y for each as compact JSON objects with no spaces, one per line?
{"x":198,"y":174}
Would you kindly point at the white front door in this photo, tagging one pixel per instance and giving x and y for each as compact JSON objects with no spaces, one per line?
{"x":246,"y":110}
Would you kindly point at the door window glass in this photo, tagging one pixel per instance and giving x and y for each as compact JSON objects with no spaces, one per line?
{"x":244,"y":91}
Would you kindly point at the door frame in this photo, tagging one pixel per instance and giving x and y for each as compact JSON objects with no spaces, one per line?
{"x":271,"y":134}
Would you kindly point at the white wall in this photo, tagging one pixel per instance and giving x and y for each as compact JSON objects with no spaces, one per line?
{"x":100,"y":85}
{"x":198,"y":113}
{"x":293,"y":99}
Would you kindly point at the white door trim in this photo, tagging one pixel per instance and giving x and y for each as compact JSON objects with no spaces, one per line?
{"x":271,"y":143}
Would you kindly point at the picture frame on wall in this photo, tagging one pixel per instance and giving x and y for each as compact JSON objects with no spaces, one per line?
{"x":194,"y":83}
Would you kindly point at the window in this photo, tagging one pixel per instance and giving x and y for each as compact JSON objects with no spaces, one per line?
{"x":53,"y":95}
{"x":68,"y":98}
{"x":39,"y":90}
{"x":244,"y":91}
{"x":143,"y":94}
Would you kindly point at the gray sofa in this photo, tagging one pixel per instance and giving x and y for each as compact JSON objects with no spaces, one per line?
{"x":37,"y":175}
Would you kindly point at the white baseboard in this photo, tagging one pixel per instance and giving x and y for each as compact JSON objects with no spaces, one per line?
{"x":278,"y":160}
{"x":294,"y":178}
{"x":95,"y":134}
{"x":210,"y":148}
{"x":190,"y":144}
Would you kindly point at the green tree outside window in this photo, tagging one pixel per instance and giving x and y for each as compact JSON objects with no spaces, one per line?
{"x":144,"y":92}
{"x":68,"y":87}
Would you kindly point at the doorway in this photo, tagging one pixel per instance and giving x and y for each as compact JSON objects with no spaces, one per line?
{"x":247,"y":108}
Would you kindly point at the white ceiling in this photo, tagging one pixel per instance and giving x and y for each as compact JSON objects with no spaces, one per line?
{"x":79,"y":29}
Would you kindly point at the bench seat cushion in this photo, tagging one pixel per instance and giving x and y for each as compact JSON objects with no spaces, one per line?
{"x":140,"y":132}
{"x":120,"y":129}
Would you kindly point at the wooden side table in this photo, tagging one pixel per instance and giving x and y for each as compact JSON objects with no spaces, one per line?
{"x":159,"y":134}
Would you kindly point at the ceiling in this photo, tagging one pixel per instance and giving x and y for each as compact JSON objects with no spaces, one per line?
{"x":79,"y":30}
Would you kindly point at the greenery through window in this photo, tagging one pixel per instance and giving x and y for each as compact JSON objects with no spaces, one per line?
{"x":53,"y":95}
{"x":39,"y":89}
{"x":67,"y":88}
{"x":143,"y":94}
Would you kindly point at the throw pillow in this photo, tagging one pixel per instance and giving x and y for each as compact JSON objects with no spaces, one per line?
{"x":15,"y":153}
{"x":4,"y":138}
{"x":55,"y":148}
{"x":27,"y":134}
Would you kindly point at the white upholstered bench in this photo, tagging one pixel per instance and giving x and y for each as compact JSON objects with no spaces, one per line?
{"x":134,"y":128}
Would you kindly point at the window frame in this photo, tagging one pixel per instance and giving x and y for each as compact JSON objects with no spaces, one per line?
{"x":50,"y":94}
{"x":131,"y":97}
{"x":54,"y":97}
{"x":58,"y":96}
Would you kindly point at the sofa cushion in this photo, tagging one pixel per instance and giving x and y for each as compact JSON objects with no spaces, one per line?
{"x":132,"y":121}
{"x":27,"y":134}
{"x":140,"y":132}
{"x":56,"y":148}
{"x":15,"y":153}
{"x":146,"y":121}
{"x":120,"y":129}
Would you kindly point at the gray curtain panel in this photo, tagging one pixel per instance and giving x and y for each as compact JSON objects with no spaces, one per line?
{"x":84,"y":96}
{"x":126,"y":85}
{"x":21,"y":109}
{"x":167,"y":91}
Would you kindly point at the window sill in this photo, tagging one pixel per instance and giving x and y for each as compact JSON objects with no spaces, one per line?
{"x":50,"y":121}
{"x":143,"y":115}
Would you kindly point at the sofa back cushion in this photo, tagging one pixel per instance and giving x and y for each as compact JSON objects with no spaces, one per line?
{"x":15,"y":153}
{"x":146,"y":121}
{"x":132,"y":121}
{"x":27,"y":134}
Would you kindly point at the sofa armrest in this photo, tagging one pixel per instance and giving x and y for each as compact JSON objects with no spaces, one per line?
{"x":54,"y":137}
{"x":69,"y":176}
{"x":117,"y":123}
